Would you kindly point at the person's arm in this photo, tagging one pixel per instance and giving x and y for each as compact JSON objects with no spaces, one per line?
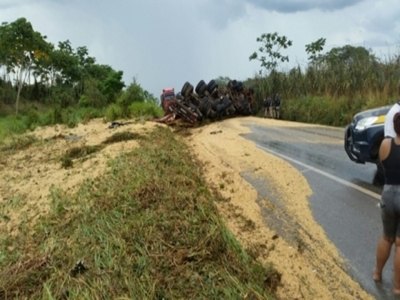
{"x":384,"y":149}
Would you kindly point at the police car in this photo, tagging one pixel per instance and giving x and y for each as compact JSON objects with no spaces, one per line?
{"x":363,"y":137}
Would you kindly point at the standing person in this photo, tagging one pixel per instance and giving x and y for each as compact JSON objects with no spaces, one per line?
{"x":389,"y":155}
{"x":267,"y":106}
{"x":276,"y":106}
{"x":389,"y":130}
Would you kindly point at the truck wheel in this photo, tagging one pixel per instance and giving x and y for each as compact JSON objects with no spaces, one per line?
{"x":239,"y":86}
{"x":201,"y":87}
{"x":187,"y":89}
{"x":212,"y":86}
{"x":184,"y":88}
{"x":231,"y":84}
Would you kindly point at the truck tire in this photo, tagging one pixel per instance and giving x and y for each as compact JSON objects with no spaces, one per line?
{"x":201,"y":88}
{"x":205,"y":106}
{"x":212,"y":86}
{"x":231,"y":84}
{"x":187,"y":89}
{"x":238,"y":86}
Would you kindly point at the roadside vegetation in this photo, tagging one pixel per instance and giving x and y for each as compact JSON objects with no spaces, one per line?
{"x":45,"y":84}
{"x":147,"y":229}
{"x":333,"y":86}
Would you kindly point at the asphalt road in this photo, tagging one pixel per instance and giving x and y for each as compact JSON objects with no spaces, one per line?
{"x":344,"y":200}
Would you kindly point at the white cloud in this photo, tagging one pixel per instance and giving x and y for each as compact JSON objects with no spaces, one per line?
{"x":165,"y":43}
{"x":291,"y":6}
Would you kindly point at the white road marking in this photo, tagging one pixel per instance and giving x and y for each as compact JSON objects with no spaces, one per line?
{"x":330,"y":176}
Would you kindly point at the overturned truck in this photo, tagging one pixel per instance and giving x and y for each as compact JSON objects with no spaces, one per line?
{"x":207,"y":101}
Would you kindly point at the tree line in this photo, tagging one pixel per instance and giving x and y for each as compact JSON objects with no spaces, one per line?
{"x":334,"y":84}
{"x":330,"y":89}
{"x":61,"y":76}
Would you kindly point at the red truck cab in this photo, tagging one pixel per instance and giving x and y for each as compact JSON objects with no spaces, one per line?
{"x":167,"y":96}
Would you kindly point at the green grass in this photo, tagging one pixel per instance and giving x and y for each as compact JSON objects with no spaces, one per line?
{"x":148,"y":229}
{"x":76,"y":153}
{"x":82,"y":152}
{"x":326,"y":110}
{"x":142,"y":110}
{"x":11,"y":125}
{"x":17,"y":142}
{"x":122,"y":136}
{"x":31,"y":117}
{"x":145,"y":110}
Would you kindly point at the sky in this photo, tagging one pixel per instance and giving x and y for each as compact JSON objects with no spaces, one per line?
{"x":164,"y":43}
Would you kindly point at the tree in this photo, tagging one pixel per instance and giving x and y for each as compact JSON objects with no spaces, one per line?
{"x":64,"y":64}
{"x":314,"y":49}
{"x":110,"y":82}
{"x":269,"y":53}
{"x":349,"y":67}
{"x":222,"y":80}
{"x":348,"y":56}
{"x":134,"y":93}
{"x":112,"y":85}
{"x":21,"y":48}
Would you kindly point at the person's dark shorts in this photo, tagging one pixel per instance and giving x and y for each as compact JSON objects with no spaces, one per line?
{"x":390,"y":210}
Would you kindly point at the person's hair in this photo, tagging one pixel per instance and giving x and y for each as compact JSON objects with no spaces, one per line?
{"x":396,"y":123}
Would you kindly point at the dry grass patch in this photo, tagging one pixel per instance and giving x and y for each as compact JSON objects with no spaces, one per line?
{"x":147,"y":229}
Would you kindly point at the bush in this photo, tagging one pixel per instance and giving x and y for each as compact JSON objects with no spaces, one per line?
{"x":84,"y":101}
{"x":134,"y":93}
{"x":63,"y":97}
{"x":32,"y":119}
{"x":113,"y":112}
{"x":70,"y":119}
{"x":7,"y":93}
{"x":86,"y":114}
{"x":144,"y":109}
{"x":55,"y":116}
{"x":12,"y":125}
{"x":92,"y":96}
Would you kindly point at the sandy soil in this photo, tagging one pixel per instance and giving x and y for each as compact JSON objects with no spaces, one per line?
{"x":310,"y":265}
{"x":28,"y":177}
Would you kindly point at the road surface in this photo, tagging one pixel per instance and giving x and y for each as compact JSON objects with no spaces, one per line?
{"x":344,"y":200}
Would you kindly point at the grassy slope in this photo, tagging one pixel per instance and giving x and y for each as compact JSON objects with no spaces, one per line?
{"x":147,"y":229}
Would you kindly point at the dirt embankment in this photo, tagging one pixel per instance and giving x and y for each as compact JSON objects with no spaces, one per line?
{"x":311,"y":267}
{"x":27,"y":177}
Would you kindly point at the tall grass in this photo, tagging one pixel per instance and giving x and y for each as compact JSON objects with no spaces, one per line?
{"x":144,"y":110}
{"x":335,"y":88}
{"x":148,"y":229}
{"x":31,"y":118}
{"x":11,"y":125}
